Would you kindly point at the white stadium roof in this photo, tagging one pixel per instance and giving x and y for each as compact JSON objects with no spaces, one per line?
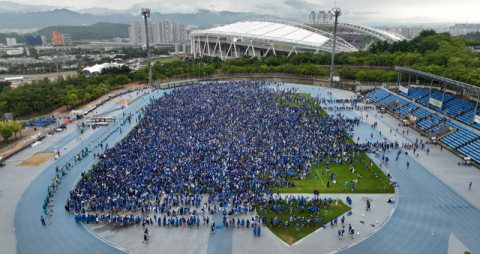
{"x":377,"y":33}
{"x":279,"y":32}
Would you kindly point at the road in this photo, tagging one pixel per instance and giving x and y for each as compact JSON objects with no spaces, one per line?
{"x":37,"y":76}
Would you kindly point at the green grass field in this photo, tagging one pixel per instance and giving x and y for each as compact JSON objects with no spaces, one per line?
{"x":290,"y":235}
{"x":366,"y":184}
{"x":162,"y":60}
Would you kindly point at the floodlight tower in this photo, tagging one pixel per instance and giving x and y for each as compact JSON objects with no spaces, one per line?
{"x":336,"y":13}
{"x":146,"y":14}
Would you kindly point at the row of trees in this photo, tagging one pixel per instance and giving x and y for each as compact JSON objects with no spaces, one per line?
{"x":472,"y":39}
{"x":368,"y":75}
{"x":39,"y":96}
{"x":439,"y":54}
{"x":7,"y":129}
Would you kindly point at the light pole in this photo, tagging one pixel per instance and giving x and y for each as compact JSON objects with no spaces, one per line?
{"x":336,"y":13}
{"x":146,"y":14}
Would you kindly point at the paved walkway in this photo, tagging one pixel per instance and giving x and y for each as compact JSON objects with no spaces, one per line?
{"x":231,"y":240}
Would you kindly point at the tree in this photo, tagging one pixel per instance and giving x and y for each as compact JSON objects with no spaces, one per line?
{"x":122,"y":80}
{"x":6,"y":132}
{"x":3,"y":106}
{"x":348,"y":73}
{"x":361,"y":75}
{"x":22,"y":108}
{"x":15,"y":127}
{"x":141,"y":75}
{"x":23,"y":124}
{"x":154,"y":75}
{"x":111,"y":81}
{"x":71,"y":99}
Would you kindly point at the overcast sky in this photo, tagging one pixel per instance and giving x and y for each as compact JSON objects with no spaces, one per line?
{"x":408,"y":11}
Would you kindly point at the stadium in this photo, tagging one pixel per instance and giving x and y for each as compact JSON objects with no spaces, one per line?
{"x":225,"y":164}
{"x":263,"y":38}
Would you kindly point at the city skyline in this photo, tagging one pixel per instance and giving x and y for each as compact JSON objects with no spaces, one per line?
{"x":159,"y":32}
{"x":429,"y":11}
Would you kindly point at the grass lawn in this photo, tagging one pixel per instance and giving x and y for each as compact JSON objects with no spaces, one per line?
{"x":161,"y":60}
{"x":290,"y":235}
{"x":366,"y":184}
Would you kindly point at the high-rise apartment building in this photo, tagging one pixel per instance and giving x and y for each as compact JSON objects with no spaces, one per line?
{"x":57,"y":38}
{"x":67,"y":39}
{"x":311,"y":17}
{"x":329,"y":16}
{"x":321,"y":17}
{"x":459,"y":29}
{"x":33,"y":39}
{"x":183,"y":33}
{"x":11,"y":41}
{"x":168,"y":34}
{"x":158,"y":32}
{"x":407,"y":32}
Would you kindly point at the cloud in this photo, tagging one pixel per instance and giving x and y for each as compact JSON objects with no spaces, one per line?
{"x":11,"y":7}
{"x":365,"y":11}
{"x":165,"y":8}
{"x":304,"y":5}
{"x":265,"y":6}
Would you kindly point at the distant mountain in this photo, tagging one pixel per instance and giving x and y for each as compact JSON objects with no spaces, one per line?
{"x":46,"y":18}
{"x":11,"y":7}
{"x":64,"y":17}
{"x":98,"y":31}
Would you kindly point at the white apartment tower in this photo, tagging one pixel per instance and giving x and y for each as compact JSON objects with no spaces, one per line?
{"x":311,"y":17}
{"x":167,"y":28}
{"x":158,"y":32}
{"x":11,"y":41}
{"x":322,"y":16}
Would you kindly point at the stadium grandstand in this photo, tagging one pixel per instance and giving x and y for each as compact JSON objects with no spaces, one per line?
{"x":353,"y":38}
{"x":454,"y":121}
{"x":262,"y":38}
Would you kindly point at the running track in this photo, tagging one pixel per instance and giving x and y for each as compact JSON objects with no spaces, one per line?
{"x":426,"y":205}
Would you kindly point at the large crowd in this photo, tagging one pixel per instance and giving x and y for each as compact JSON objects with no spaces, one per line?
{"x":213,"y":148}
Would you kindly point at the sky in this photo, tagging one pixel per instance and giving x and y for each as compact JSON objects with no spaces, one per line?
{"x":391,"y":11}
